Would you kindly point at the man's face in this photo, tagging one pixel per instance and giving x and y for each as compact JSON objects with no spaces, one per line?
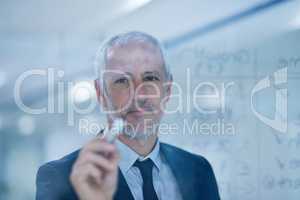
{"x":136,"y":86}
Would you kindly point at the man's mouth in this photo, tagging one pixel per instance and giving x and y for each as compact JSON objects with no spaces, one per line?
{"x":140,"y":111}
{"x":137,"y":113}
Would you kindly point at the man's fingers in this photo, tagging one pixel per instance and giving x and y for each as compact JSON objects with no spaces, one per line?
{"x":100,"y":146}
{"x":88,"y":171}
{"x":99,"y":160}
{"x":115,"y":157}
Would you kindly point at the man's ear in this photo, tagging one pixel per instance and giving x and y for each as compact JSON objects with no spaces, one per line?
{"x":168,"y":89}
{"x":99,"y":93}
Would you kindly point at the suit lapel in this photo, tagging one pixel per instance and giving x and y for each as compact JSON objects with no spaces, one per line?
{"x":123,"y":191}
{"x":183,"y":170}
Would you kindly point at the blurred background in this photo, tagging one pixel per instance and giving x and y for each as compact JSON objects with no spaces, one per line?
{"x":250,"y":47}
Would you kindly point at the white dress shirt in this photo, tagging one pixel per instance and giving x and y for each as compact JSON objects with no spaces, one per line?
{"x":164,"y":182}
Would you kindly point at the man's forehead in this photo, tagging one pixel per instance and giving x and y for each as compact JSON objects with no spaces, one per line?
{"x":134,"y":53}
{"x":134,"y":44}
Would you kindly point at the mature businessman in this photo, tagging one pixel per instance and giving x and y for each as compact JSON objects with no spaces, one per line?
{"x":134,"y":83}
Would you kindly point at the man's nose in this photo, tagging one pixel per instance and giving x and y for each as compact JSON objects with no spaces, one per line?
{"x":140,"y":90}
{"x":139,"y":93}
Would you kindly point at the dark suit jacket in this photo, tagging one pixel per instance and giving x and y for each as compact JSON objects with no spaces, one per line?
{"x":193,"y":173}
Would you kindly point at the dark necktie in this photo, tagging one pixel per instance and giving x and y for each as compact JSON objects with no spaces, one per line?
{"x":145,"y":168}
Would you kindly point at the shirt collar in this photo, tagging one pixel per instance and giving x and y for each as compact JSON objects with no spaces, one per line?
{"x":129,"y":156}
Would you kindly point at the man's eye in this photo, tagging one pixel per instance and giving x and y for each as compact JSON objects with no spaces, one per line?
{"x":121,"y":81}
{"x":151,"y":78}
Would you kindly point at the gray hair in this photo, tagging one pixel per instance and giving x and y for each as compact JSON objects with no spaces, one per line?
{"x":125,"y":38}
